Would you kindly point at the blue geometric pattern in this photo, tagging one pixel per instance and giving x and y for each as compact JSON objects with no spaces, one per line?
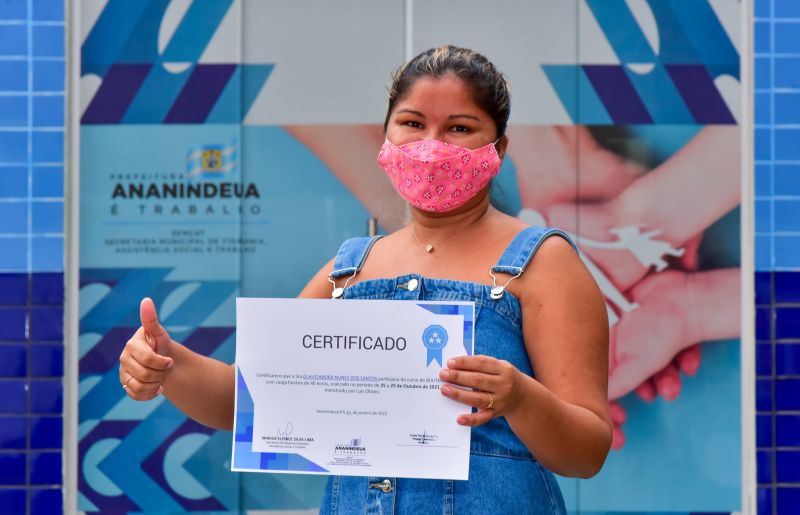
{"x":243,"y":455}
{"x":133,"y":455}
{"x":460,"y":310}
{"x":139,"y":84}
{"x":675,"y":86}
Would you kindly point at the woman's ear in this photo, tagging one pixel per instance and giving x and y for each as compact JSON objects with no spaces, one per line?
{"x":501,"y":146}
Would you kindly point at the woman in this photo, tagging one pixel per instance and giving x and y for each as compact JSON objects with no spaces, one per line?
{"x":445,"y":139}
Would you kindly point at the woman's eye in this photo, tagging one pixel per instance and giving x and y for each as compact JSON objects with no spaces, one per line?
{"x":460,"y":128}
{"x":413,"y":124}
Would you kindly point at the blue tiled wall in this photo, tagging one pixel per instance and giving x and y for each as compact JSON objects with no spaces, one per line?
{"x":778,"y":390}
{"x":777,"y":208}
{"x":31,"y":255}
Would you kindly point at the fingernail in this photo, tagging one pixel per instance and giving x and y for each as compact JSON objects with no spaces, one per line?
{"x":670,"y":392}
{"x":451,"y":363}
{"x":444,"y":374}
{"x":462,"y":420}
{"x":446,"y":389}
{"x":170,"y":364}
{"x":160,"y":390}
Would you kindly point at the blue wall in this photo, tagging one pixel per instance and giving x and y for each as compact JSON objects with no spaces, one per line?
{"x":31,"y":255}
{"x":777,"y":206}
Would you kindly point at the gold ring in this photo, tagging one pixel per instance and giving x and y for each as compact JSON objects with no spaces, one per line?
{"x":491,"y":401}
{"x":125,"y":386}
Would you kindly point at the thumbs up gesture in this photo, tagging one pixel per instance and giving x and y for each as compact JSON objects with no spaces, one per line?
{"x":145,"y":360}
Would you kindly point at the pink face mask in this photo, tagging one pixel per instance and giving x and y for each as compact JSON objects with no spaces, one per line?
{"x":437,"y":176}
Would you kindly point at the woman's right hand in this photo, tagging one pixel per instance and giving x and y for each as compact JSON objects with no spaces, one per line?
{"x":145,"y":361}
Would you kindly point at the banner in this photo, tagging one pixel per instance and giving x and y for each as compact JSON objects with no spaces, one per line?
{"x":228,"y":147}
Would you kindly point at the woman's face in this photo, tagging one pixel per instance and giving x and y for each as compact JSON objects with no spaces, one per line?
{"x":443,"y":109}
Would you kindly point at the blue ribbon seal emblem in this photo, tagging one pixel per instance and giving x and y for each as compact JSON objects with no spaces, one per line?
{"x":434,"y":338}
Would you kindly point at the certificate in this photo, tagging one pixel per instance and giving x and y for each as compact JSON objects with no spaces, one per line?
{"x":349,"y":387}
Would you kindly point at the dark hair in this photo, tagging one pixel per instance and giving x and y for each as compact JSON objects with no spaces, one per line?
{"x":488,"y":85}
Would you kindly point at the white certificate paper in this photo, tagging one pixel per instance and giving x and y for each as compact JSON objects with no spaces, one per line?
{"x":349,"y":387}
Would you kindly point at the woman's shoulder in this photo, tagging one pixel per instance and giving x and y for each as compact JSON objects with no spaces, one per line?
{"x":555,"y":269}
{"x":319,"y":286}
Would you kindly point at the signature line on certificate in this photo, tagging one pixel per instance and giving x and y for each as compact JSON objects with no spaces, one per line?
{"x":425,"y":445}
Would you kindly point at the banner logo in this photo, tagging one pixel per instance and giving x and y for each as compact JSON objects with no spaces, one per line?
{"x":211,"y":161}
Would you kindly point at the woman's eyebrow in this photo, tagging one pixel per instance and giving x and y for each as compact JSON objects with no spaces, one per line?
{"x":451,"y":117}
{"x":470,"y":116}
{"x":411,"y":111}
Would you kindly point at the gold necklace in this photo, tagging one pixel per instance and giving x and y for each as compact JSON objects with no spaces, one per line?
{"x":428,"y":247}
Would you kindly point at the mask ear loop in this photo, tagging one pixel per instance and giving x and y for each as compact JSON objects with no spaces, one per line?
{"x":495,"y":144}
{"x":338,"y":292}
{"x":498,"y":291}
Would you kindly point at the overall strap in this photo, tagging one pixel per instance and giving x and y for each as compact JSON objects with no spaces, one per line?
{"x":352,"y":255}
{"x":520,"y":252}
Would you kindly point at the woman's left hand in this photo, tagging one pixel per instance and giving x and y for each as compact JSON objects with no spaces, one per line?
{"x":496,"y":386}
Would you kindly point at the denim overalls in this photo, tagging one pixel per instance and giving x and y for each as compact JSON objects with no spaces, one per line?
{"x":504,"y":476}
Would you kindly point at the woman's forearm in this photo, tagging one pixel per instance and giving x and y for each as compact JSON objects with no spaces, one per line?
{"x":713,"y":307}
{"x":690,"y":191}
{"x":201,"y":387}
{"x":567,"y":439}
